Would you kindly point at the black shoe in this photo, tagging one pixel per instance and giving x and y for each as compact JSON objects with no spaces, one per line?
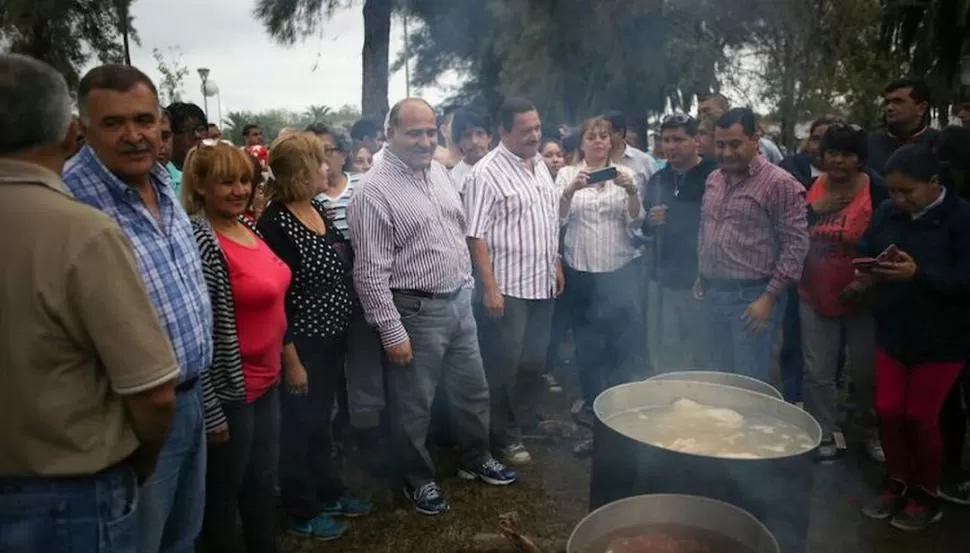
{"x":918,"y":514}
{"x":890,"y":502}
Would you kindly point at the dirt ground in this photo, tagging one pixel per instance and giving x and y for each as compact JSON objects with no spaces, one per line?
{"x":550,"y":498}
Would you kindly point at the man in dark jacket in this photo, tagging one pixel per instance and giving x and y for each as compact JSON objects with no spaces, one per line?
{"x":906,"y":104}
{"x":673,"y":202}
{"x":806,"y":166}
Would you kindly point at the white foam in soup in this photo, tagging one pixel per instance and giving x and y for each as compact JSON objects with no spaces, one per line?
{"x":691,"y":427}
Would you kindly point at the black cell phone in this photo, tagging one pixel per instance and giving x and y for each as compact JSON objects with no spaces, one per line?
{"x":603,"y":175}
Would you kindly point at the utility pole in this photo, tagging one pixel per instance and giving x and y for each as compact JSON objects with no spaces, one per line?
{"x":204,"y":75}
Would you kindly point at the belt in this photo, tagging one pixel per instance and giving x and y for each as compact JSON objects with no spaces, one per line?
{"x":734,"y":283}
{"x":430,"y":295}
{"x":186,"y":385}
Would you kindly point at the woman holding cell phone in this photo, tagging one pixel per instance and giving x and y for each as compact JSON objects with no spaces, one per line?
{"x":921,"y":295}
{"x":599,"y":207}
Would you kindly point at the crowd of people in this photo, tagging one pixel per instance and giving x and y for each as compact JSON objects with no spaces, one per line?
{"x":190,"y":325}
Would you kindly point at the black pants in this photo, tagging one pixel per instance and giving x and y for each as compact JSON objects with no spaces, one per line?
{"x":308,"y":474}
{"x":953,"y":426}
{"x":241,"y":477}
{"x":607,"y":326}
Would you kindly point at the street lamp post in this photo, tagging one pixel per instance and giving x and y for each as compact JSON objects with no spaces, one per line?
{"x":204,"y":75}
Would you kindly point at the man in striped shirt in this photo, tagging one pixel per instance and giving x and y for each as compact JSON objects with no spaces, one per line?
{"x":513,"y":233}
{"x":752,"y":243}
{"x":413,"y":275}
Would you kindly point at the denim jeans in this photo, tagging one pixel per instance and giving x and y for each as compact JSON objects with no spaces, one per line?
{"x":734,"y":348}
{"x":365,"y":374}
{"x":241,"y":479}
{"x":308,"y":474}
{"x":171,"y":502}
{"x":790,"y":359}
{"x":83,"y":514}
{"x":444,"y":342}
{"x":676,"y":330}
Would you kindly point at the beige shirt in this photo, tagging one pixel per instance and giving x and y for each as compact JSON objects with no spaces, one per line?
{"x":77,"y":331}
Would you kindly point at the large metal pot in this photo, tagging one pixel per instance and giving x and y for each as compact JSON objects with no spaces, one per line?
{"x":725,"y":379}
{"x":687,"y":510}
{"x":776,"y":491}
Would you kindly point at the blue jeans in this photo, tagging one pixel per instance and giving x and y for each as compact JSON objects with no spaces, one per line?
{"x":172,"y":500}
{"x":733,"y":348}
{"x":84,"y":514}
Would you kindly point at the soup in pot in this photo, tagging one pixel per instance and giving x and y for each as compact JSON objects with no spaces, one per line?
{"x":690,"y":427}
{"x":666,"y":538}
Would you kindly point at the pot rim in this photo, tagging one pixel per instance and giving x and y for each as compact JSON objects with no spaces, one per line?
{"x":668,"y":496}
{"x":686,"y":373}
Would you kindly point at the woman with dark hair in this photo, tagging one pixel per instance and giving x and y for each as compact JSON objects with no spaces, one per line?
{"x":360,"y":159}
{"x":921,"y":285}
{"x":840,"y":206}
{"x":553,"y":155}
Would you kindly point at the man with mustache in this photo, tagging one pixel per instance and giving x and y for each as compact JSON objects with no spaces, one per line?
{"x":513,"y":234}
{"x":117,"y":173}
{"x":752,"y":244}
{"x":413,"y":276}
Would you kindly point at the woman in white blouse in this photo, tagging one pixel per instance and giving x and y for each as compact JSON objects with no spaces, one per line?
{"x":602,"y":275}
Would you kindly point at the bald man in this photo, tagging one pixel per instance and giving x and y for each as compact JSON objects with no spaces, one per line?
{"x":413,"y":276}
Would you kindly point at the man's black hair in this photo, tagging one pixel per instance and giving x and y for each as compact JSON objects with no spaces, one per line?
{"x":920,"y":91}
{"x":617,"y":120}
{"x":248,"y":128}
{"x":466,"y":119}
{"x":826,"y":121}
{"x":365,"y":128}
{"x":180,"y":112}
{"x":744,"y":116}
{"x":512,"y":107}
{"x":679,"y":121}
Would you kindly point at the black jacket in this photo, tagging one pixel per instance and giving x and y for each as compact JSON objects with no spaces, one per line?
{"x":682,"y":194}
{"x":800,"y":167}
{"x":883,"y":143}
{"x":923,"y":320}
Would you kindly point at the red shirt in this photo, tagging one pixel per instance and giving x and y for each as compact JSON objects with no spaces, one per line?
{"x":259,"y":281}
{"x":828,"y":265}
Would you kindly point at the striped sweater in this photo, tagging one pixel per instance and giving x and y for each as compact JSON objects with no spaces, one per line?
{"x":224,"y":381}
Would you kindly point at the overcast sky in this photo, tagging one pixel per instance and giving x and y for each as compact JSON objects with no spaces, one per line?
{"x":252,"y":71}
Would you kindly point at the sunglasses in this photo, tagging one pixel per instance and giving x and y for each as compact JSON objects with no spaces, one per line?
{"x":677,"y":118}
{"x":213,"y":142}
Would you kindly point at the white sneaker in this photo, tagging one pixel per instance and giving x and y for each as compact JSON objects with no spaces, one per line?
{"x":516,"y":454}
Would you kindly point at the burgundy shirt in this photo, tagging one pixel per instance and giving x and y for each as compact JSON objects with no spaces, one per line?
{"x":754,"y":227}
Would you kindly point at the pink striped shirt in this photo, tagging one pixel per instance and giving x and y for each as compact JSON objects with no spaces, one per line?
{"x":514,"y":209}
{"x":408,"y":234}
{"x":755,"y":227}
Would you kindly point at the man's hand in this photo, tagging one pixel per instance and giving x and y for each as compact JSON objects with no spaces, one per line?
{"x":657,"y":216}
{"x":296,"y":380}
{"x":400,"y":354}
{"x":757,"y":315}
{"x":856,"y":290}
{"x":494,"y":303}
{"x":560,"y":279}
{"x":901,"y":270}
{"x":831,"y":202}
{"x":218,"y":436}
{"x":698,"y":289}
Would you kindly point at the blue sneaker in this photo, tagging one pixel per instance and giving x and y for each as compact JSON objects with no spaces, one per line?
{"x":428,"y":499}
{"x":348,"y":507}
{"x":491,"y":472}
{"x":322,"y":528}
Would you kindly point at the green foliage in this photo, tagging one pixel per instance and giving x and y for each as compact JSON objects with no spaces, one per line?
{"x":272,"y":121}
{"x":170,"y":88}
{"x":64,"y":34}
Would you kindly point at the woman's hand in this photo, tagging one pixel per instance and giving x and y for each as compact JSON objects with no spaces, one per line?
{"x":903,"y":269}
{"x":856,"y":290}
{"x":296,"y":380}
{"x":831,"y":202}
{"x":580,"y":182}
{"x":219,"y":435}
{"x":625,"y":181}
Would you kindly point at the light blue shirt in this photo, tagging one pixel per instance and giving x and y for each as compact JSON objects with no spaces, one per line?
{"x":166,"y":252}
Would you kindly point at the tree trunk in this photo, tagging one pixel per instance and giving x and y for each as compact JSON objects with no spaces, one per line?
{"x":376,"y":58}
{"x":787,"y":109}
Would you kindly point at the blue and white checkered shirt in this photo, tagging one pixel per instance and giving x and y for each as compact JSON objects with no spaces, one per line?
{"x":166,"y":251}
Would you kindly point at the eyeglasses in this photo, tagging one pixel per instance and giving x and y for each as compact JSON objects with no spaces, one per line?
{"x":332,"y":149}
{"x":213,"y":142}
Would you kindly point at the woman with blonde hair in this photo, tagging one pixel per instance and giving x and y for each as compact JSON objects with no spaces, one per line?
{"x":598,"y":257}
{"x":247,"y":285}
{"x":318,"y":308}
